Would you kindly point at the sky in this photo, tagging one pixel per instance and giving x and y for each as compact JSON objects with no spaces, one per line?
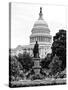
{"x":23,"y":17}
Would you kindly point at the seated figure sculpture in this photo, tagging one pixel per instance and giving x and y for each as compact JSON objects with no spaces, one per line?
{"x":36,"y":50}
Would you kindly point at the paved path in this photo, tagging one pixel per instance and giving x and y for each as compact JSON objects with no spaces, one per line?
{"x":39,"y":82}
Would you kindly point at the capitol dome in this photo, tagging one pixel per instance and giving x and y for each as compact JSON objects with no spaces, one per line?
{"x":40,"y":31}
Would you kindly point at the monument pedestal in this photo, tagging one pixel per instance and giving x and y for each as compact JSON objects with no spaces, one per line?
{"x":37,"y":68}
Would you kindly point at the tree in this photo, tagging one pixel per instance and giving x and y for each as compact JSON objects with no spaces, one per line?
{"x":46,"y":61}
{"x":26,"y":61}
{"x":15,"y":68}
{"x":55,"y":65}
{"x":59,"y":47}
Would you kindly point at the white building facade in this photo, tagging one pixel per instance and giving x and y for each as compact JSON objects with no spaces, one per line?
{"x":41,"y":34}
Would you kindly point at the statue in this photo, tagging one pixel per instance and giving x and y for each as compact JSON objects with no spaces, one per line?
{"x":36,"y":50}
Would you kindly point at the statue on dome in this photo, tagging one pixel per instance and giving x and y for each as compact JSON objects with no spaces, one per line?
{"x":40,"y":9}
{"x":36,"y":50}
{"x":40,"y":14}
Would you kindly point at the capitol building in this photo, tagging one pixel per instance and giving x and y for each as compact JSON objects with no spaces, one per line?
{"x":40,"y":33}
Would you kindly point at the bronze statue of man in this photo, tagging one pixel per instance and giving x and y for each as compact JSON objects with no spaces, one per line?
{"x":36,"y":50}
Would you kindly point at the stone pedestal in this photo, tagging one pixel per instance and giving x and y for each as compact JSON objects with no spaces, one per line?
{"x":36,"y":66}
